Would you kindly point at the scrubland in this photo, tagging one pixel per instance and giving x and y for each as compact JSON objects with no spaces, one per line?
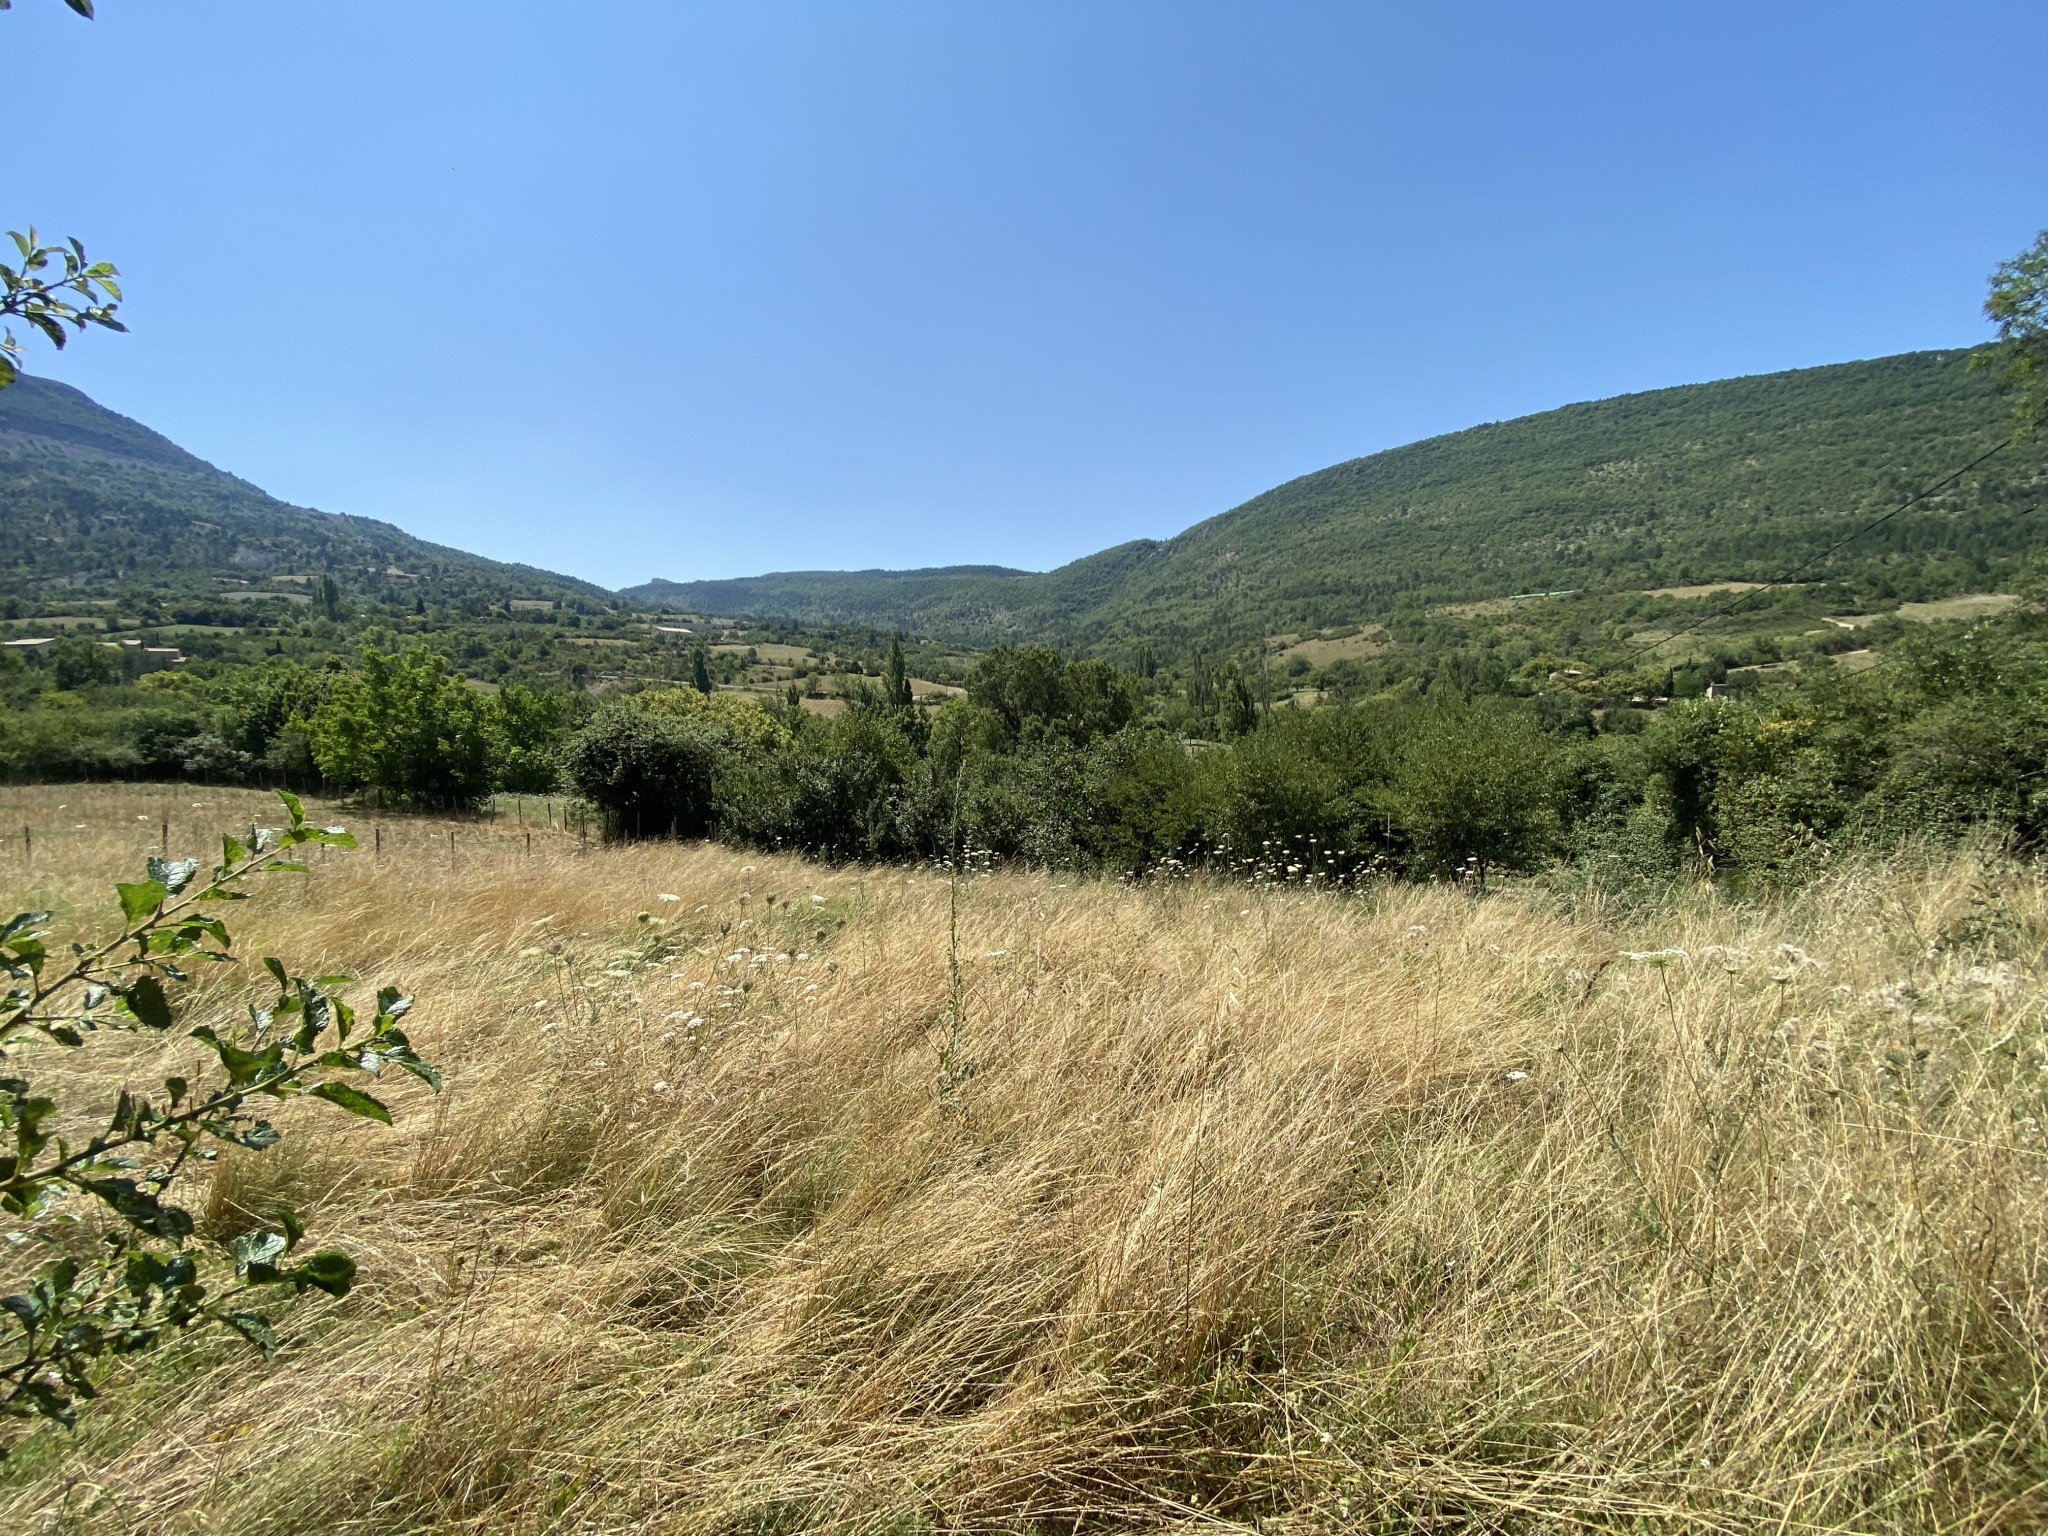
{"x":1404,"y":1209}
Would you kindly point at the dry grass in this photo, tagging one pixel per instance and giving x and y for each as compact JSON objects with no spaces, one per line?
{"x":1969,"y":605}
{"x":1406,"y":1212}
{"x":1321,"y":651}
{"x":1704,"y":589}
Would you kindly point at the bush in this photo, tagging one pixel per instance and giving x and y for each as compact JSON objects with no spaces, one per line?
{"x":649,"y":773}
{"x":1470,"y":788}
{"x":406,"y":728}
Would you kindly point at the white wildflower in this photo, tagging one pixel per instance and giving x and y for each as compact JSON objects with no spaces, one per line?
{"x":667,"y":896}
{"x":1999,"y":979}
{"x":1787,"y":960}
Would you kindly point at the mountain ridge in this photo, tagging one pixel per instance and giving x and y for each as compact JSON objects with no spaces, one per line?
{"x":1729,"y":479}
{"x":97,"y":504}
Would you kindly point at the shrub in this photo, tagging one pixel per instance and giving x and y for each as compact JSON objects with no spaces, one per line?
{"x":1470,"y":788}
{"x":649,"y":773}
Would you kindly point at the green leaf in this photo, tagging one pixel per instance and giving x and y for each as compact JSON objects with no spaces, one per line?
{"x":23,"y":922}
{"x":255,"y":1328}
{"x":354,"y":1100}
{"x":139,"y":900}
{"x":141,"y":1209}
{"x":146,"y":1000}
{"x":424,"y":1071}
{"x":83,"y":7}
{"x":328,"y":1270}
{"x":231,"y":852}
{"x":258,"y":1248}
{"x":173,"y":874}
{"x":257,"y":1138}
{"x":292,"y":805}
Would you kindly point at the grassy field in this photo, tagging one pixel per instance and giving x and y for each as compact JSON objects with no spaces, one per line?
{"x":1223,"y":1207}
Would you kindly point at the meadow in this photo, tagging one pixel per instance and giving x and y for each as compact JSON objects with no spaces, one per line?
{"x":758,"y":1203}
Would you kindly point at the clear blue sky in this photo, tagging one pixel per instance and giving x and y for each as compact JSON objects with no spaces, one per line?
{"x":649,"y":287}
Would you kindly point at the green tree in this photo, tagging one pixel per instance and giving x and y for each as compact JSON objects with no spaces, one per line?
{"x":700,"y":669}
{"x":1240,"y":712}
{"x":265,"y":703}
{"x":1037,"y":696}
{"x":535,"y":725}
{"x":79,"y":662}
{"x":2018,"y":306}
{"x":1470,"y":787}
{"x":330,"y":598}
{"x":896,"y":678}
{"x":406,"y":728}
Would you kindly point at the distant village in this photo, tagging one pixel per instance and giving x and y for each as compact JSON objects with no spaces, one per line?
{"x":136,"y":658}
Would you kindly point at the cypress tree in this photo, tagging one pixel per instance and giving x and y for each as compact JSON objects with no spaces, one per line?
{"x":896,"y":678}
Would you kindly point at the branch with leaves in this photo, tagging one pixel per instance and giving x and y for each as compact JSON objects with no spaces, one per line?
{"x":143,"y":1277}
{"x":2018,"y":306}
{"x":53,"y":287}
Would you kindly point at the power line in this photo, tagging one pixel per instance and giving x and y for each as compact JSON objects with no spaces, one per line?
{"x":1886,"y":660}
{"x":1806,"y":565}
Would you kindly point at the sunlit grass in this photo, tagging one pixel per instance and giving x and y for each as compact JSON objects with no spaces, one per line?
{"x":1401,"y":1210}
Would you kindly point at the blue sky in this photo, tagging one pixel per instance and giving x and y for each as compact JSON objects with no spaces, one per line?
{"x":646,"y":287}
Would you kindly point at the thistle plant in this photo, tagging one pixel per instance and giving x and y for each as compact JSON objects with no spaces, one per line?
{"x":121,"y":1268}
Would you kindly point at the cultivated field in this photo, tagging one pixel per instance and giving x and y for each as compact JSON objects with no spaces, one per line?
{"x":1223,"y":1208}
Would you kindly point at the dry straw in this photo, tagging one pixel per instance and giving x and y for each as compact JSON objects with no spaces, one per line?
{"x":1410,"y":1210}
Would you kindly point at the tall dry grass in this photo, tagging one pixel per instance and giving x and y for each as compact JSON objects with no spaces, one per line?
{"x":1409,"y":1211}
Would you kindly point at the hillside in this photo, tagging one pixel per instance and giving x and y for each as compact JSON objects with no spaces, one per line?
{"x":954,"y":599}
{"x":1734,"y":480}
{"x":96,"y":505}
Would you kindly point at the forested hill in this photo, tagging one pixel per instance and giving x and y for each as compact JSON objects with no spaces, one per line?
{"x":94,"y":505}
{"x":950,"y":599}
{"x":1734,"y":480}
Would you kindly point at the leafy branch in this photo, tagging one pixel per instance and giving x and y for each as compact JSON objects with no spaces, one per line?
{"x":54,"y":286}
{"x":141,"y":1280}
